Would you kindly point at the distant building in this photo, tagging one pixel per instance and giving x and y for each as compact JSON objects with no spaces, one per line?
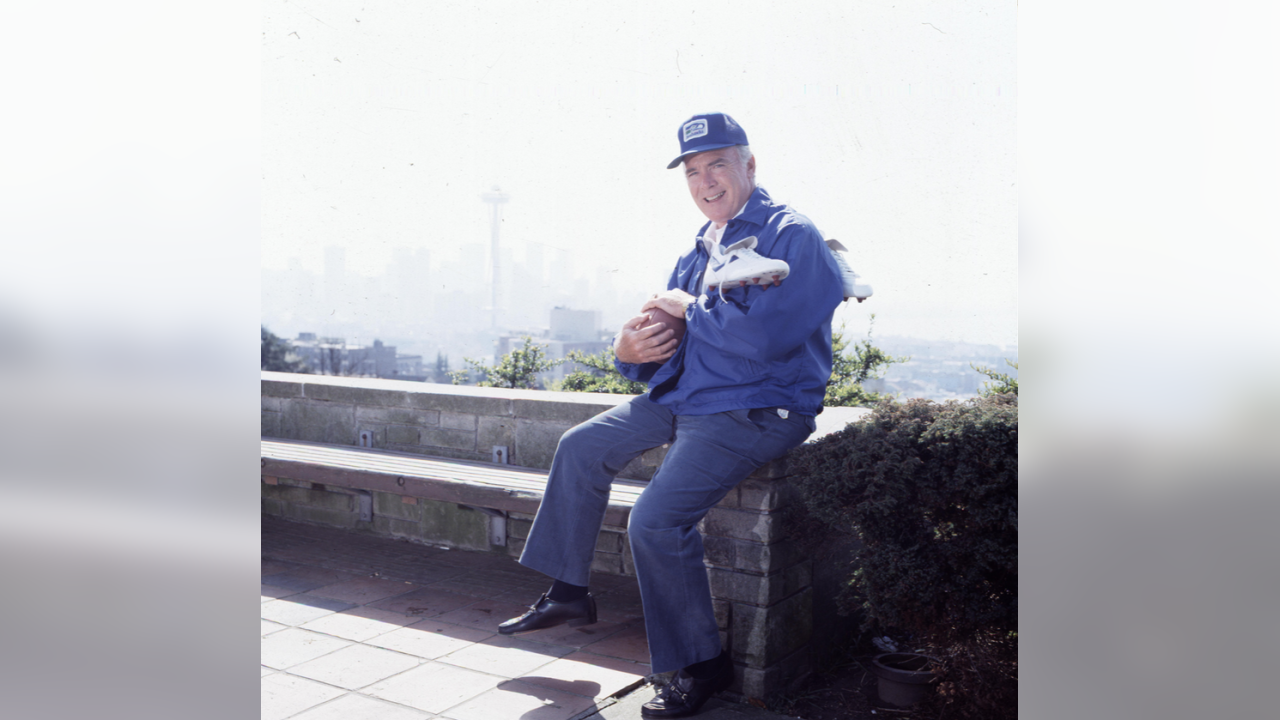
{"x":334,"y":356}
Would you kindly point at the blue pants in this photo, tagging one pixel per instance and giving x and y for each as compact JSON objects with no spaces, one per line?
{"x":709,"y":455}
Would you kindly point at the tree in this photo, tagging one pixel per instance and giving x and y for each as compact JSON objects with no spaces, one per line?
{"x":1000,"y":382}
{"x":601,"y":377}
{"x":278,"y":355}
{"x":517,"y":369}
{"x":848,"y":372}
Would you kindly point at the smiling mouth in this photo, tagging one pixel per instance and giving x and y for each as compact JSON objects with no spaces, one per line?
{"x":714,"y":198}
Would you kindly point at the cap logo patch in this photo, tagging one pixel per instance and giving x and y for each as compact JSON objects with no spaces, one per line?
{"x":694,"y":129}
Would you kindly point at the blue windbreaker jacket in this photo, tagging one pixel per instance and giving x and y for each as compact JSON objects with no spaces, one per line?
{"x":757,"y":348}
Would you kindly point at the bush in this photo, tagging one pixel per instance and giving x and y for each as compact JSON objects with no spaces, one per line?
{"x":600,"y":377}
{"x":517,"y":369}
{"x":931,"y":491}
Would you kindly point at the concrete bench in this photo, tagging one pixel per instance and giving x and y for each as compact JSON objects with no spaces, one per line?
{"x":485,"y":486}
{"x":409,"y":460}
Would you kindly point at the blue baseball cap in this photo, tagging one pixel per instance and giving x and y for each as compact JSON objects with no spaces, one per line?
{"x":710,"y":131}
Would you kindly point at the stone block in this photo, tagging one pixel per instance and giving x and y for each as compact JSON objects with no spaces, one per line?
{"x":515,"y":546}
{"x":718,"y":551}
{"x":287,"y":494}
{"x":760,"y":494}
{"x":355,"y":395}
{"x":762,"y":590}
{"x":774,"y":469}
{"x":319,"y":422}
{"x":610,"y":542}
{"x":461,"y":400}
{"x":610,"y":563}
{"x":397,"y":416}
{"x":752,"y":557}
{"x":272,"y":507}
{"x":377,"y":434}
{"x":518,"y":528}
{"x":764,"y":636}
{"x":744,"y":525}
{"x":320,"y":516}
{"x":457,"y":421}
{"x":492,"y":431}
{"x":392,"y":505}
{"x":281,"y":388}
{"x":628,"y":560}
{"x":571,"y":409}
{"x":453,"y":526}
{"x":637,"y":470}
{"x":274,"y":404}
{"x":724,"y":613}
{"x":448,"y":438}
{"x":403,"y":434}
{"x":536,"y":441}
{"x":784,"y":676}
{"x":397,"y":527}
{"x":326,"y":499}
{"x":270,"y":426}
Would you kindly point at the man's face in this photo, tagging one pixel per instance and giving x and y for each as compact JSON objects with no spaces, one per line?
{"x":720,"y":182}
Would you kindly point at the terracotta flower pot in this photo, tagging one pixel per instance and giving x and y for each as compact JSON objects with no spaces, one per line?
{"x":903,"y":678}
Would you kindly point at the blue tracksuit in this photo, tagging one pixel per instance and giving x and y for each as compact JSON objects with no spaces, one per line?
{"x":757,"y":348}
{"x":755,"y":351}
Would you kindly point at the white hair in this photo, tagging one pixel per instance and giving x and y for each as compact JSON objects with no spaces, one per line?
{"x":745,"y":155}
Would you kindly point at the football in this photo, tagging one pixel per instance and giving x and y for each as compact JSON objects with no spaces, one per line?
{"x":658,"y":316}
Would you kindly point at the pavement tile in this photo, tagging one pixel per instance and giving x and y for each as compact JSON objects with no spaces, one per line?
{"x":485,"y":614}
{"x":359,"y":707}
{"x":434,"y":687}
{"x":271,"y":566}
{"x":271,"y":592}
{"x":305,"y":578}
{"x":301,"y":609}
{"x":516,"y":699}
{"x":427,"y":602}
{"x":269,"y":627}
{"x":584,"y":673}
{"x":360,"y":624}
{"x":430,"y":639}
{"x":356,"y":666}
{"x":619,"y":607}
{"x":505,"y":656}
{"x":629,"y":644}
{"x":362,"y":591}
{"x":485,"y":586}
{"x":576,"y":636}
{"x":284,"y":695}
{"x":295,"y":645}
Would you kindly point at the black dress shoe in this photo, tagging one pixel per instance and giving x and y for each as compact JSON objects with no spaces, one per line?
{"x":685,"y":694}
{"x":548,"y":613}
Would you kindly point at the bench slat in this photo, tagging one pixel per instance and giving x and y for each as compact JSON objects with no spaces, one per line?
{"x":464,"y":482}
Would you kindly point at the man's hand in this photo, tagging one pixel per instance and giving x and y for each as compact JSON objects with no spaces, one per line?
{"x":673,"y":302}
{"x":640,"y":342}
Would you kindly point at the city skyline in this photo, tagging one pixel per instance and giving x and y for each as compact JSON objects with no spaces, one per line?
{"x":892,"y":128}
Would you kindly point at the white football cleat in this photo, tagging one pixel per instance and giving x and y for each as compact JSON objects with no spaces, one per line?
{"x":852,"y":288}
{"x":744,"y":266}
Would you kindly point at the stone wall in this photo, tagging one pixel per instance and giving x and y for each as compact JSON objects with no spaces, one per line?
{"x":761,"y":585}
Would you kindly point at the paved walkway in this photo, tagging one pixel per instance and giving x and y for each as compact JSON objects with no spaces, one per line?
{"x":356,"y":627}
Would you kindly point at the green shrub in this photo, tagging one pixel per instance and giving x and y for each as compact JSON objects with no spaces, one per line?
{"x":931,"y":491}
{"x":599,"y":377}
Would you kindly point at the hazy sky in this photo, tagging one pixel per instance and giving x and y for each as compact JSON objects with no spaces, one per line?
{"x":892,"y":127}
